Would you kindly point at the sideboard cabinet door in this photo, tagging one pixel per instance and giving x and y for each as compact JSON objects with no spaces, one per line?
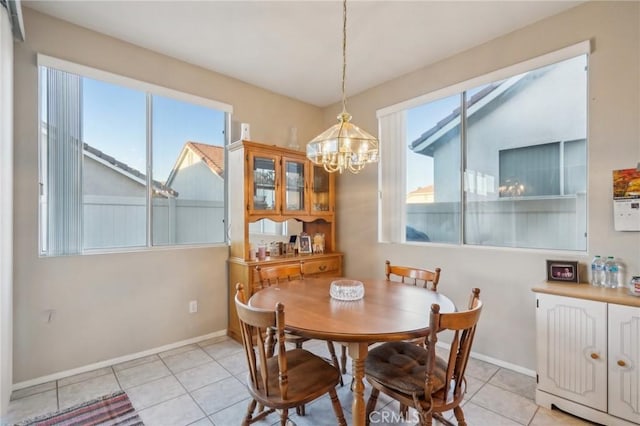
{"x":572,"y":349}
{"x":624,"y":362}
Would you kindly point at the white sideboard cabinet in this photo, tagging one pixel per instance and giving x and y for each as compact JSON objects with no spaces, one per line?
{"x":588,"y":352}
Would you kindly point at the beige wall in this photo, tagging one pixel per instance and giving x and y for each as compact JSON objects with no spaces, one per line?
{"x":507,"y":328}
{"x":113,"y":305}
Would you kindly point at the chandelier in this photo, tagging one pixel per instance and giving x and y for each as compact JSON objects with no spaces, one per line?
{"x":344,"y":146}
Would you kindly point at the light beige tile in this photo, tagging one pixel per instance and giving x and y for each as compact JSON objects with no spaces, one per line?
{"x":200,"y":376}
{"x":515,"y":382}
{"x":32,"y":390}
{"x":234,"y":364}
{"x":212,"y":341}
{"x":219,"y":395}
{"x":155,"y":392}
{"x":319,"y":412}
{"x":142,"y":373}
{"x":480,"y":370}
{"x":185,"y":360}
{"x":508,"y":404}
{"x":546,"y":417}
{"x":31,"y":406}
{"x":178,"y":350}
{"x":223,"y":349}
{"x":478,"y":416}
{"x":180,"y":411}
{"x":202,"y":422}
{"x":135,"y":362}
{"x":87,"y":390}
{"x":85,"y":376}
{"x":473,"y":386}
{"x":234,"y":414}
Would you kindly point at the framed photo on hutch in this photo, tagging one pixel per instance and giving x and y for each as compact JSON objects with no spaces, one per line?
{"x":305,"y":244}
{"x":562,"y":270}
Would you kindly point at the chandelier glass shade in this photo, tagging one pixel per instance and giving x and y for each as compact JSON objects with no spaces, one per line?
{"x":344,"y":146}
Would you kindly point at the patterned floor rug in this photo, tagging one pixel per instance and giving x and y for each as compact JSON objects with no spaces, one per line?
{"x":109,"y":410}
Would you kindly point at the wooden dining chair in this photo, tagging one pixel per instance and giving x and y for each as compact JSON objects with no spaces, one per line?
{"x":416,"y":377}
{"x":273,"y":275}
{"x":416,"y":276}
{"x":290,"y":378}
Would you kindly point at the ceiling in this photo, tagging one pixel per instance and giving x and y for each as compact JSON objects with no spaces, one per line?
{"x":294,"y":47}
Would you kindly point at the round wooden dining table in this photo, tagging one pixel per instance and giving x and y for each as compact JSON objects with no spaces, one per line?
{"x":388,"y":311}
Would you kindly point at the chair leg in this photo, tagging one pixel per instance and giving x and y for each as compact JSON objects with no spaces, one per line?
{"x":371,"y":404}
{"x":404,"y":411}
{"x":334,"y":358}
{"x":459,"y":416}
{"x":337,"y":408}
{"x":250,"y":410}
{"x":343,"y":359}
{"x":301,"y":410}
{"x":284,"y":415}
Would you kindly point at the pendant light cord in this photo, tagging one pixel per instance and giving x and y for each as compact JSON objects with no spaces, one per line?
{"x":344,"y":54}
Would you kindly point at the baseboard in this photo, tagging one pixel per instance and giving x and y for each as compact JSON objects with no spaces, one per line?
{"x":495,"y":361}
{"x":113,"y":361}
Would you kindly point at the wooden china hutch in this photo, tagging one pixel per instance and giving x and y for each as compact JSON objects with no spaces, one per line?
{"x":279,"y":184}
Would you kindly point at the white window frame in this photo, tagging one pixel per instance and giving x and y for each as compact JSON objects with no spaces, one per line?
{"x":149,"y":89}
{"x":391,"y":167}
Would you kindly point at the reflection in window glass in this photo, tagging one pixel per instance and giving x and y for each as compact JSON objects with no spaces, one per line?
{"x":526,"y":135}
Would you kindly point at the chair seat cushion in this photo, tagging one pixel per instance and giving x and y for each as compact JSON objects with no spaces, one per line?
{"x":308,"y":375}
{"x":402,"y":366}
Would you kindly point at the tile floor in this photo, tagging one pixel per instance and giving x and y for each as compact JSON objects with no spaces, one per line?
{"x":203,"y":384}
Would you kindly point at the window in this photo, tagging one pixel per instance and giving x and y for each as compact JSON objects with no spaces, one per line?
{"x":126,"y":164}
{"x":501,"y":163}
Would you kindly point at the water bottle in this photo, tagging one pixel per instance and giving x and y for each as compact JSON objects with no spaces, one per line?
{"x":597,"y":271}
{"x":611,"y":272}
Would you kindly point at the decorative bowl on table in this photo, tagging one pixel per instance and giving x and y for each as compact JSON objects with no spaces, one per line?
{"x":347,"y":290}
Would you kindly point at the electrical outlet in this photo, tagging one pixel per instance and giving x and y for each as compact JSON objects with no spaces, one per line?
{"x":193,"y":306}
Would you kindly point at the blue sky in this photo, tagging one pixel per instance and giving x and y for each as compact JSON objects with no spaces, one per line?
{"x":115,"y":122}
{"x":419,"y":120}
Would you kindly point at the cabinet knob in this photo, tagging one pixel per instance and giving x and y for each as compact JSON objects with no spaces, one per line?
{"x":594,"y":355}
{"x":322,"y":267}
{"x":621,"y":363}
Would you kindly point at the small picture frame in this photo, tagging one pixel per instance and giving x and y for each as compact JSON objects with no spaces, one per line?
{"x":305,"y":244}
{"x":562,"y":270}
{"x":318,"y":243}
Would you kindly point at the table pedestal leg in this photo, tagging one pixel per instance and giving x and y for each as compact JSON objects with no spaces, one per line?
{"x":358,"y":352}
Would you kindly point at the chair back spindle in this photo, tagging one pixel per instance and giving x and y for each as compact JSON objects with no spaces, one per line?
{"x":414,"y":276}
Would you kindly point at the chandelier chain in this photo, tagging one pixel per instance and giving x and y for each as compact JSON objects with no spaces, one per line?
{"x":344,"y":55}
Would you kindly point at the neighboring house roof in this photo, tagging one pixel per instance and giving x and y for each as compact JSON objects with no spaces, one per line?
{"x":211,"y":155}
{"x":127,"y":170}
{"x":424,"y":194}
{"x":429,"y":141}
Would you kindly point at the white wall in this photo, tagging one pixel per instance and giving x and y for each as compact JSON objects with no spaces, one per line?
{"x":112,"y":305}
{"x":507,"y":327}
{"x":6,"y":209}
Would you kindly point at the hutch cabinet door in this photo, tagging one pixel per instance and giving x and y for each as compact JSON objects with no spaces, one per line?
{"x":624,"y":362}
{"x":263,"y":182}
{"x":321,"y":192}
{"x":295,"y":193}
{"x":572,"y":349}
